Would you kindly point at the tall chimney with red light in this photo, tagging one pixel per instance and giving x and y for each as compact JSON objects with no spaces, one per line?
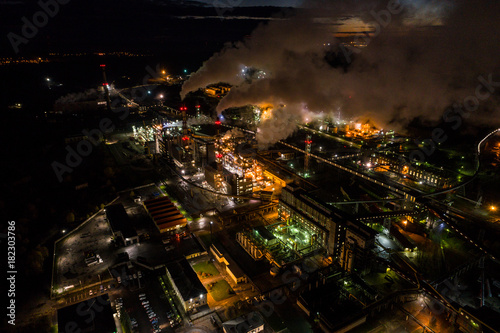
{"x":308,"y":154}
{"x":184,"y":123}
{"x":198,"y":112}
{"x":218,"y":146}
{"x":106,"y":87}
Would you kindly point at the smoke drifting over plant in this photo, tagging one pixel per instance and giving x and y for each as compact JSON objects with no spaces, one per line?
{"x":89,"y":94}
{"x":200,"y":120}
{"x":76,"y":97}
{"x":420,"y":59}
{"x":233,"y":133}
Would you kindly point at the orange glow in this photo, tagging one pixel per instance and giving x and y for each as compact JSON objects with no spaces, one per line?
{"x":267,"y":111}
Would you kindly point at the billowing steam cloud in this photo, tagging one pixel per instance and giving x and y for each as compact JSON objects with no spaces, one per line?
{"x":233,"y":133}
{"x":281,"y":125}
{"x":418,"y":61}
{"x":89,"y":94}
{"x":202,"y":119}
{"x":76,"y":97}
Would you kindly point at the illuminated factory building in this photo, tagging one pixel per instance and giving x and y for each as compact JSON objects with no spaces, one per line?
{"x":217,"y":91}
{"x":347,"y":241}
{"x":418,"y":172}
{"x":234,"y":170}
{"x":296,"y":207}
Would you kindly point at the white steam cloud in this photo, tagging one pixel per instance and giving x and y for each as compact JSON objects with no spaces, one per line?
{"x":201,"y":120}
{"x":416,"y":64}
{"x":280,"y":125}
{"x":76,"y":97}
{"x":89,"y":94}
{"x":233,"y":133}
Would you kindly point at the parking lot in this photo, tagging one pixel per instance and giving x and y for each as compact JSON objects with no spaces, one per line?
{"x":148,"y":307}
{"x":71,"y":271}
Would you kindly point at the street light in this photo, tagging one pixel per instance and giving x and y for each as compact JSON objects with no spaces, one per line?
{"x":493,"y":208}
{"x":211,"y":222}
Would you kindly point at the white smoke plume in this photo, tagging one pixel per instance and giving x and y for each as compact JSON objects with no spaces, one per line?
{"x":420,"y":62}
{"x":233,"y":133}
{"x":89,"y":94}
{"x":202,"y":119}
{"x":76,"y":97}
{"x":279,"y":126}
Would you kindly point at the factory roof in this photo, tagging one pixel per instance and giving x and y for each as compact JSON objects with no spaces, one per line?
{"x":185,"y":279}
{"x":164,"y":213}
{"x":244,"y":324}
{"x":231,"y":264}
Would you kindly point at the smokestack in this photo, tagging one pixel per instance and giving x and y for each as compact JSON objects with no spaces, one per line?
{"x":308,"y":154}
{"x":198,"y":112}
{"x":218,"y":146}
{"x":185,"y":132}
{"x":106,"y":87}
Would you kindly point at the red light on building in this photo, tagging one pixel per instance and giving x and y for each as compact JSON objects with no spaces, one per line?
{"x":217,"y":122}
{"x":308,"y":142}
{"x":218,"y":155}
{"x":105,"y":84}
{"x":184,"y":138}
{"x":103,"y":65}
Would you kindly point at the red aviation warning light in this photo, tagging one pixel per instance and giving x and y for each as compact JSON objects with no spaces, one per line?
{"x":103,"y":65}
{"x":308,"y":142}
{"x":218,"y":155}
{"x":217,"y":122}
